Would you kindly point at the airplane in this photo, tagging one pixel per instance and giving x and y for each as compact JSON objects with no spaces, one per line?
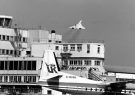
{"x":51,"y":77}
{"x":78,"y":26}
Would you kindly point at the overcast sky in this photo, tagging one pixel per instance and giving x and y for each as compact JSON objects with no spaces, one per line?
{"x":110,"y":20}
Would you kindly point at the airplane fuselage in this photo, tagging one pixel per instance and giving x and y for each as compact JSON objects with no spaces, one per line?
{"x":77,"y":85}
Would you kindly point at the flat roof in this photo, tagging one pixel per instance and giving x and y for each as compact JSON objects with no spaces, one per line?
{"x":5,"y":16}
{"x":120,"y":69}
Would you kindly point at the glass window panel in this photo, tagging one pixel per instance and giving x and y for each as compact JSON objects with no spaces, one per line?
{"x":25,"y":65}
{"x":1,"y":65}
{"x":33,"y":65}
{"x":16,"y":65}
{"x":11,"y":63}
{"x":29,"y":65}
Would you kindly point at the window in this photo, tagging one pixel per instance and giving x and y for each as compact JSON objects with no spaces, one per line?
{"x":25,"y":65}
{"x":11,"y":64}
{"x":33,"y":65}
{"x":1,"y":78}
{"x":75,"y":62}
{"x":15,"y":78}
{"x":11,"y":79}
{"x":97,"y":63}
{"x":7,"y":52}
{"x":49,"y":92}
{"x":33,"y":78}
{"x":29,"y":65}
{"x":65,"y":47}
{"x":8,"y":38}
{"x":79,"y":62}
{"x":98,"y":49}
{"x":3,"y":37}
{"x":11,"y":52}
{"x":1,"y":21}
{"x":71,"y":62}
{"x":16,"y":65}
{"x":3,"y":51}
{"x":72,"y":47}
{"x":56,"y":47}
{"x":87,"y":62}
{"x":25,"y":78}
{"x":6,"y":65}
{"x":88,"y":48}
{"x":19,"y":79}
{"x":1,"y":65}
{"x":5,"y":78}
{"x":20,"y":65}
{"x":79,"y":47}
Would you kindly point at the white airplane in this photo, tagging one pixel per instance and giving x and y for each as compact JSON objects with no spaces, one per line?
{"x":78,"y":26}
{"x":52,"y":78}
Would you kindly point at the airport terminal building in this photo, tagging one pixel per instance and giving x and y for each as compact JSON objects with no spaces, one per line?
{"x":22,"y":50}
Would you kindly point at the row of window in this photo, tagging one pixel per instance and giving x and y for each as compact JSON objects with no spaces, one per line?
{"x":72,"y":47}
{"x":9,"y":52}
{"x":86,"y":62}
{"x":79,"y":48}
{"x":18,"y":79}
{"x":17,"y":65}
{"x":13,"y":38}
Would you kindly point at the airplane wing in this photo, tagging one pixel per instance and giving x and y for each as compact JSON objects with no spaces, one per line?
{"x":73,"y":27}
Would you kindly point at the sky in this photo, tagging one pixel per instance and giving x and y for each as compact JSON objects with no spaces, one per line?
{"x":110,"y":20}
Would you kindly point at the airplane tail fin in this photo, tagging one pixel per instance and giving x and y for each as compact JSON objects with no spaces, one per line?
{"x":49,"y":66}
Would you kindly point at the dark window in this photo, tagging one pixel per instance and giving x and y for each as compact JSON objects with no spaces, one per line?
{"x":79,"y":47}
{"x":1,"y":21}
{"x":57,"y":48}
{"x":20,"y":65}
{"x":7,"y":51}
{"x":3,"y":51}
{"x":72,"y":47}
{"x":6,"y":65}
{"x":25,"y":78}
{"x":88,"y":48}
{"x":49,"y":92}
{"x":11,"y":64}
{"x":97,"y":63}
{"x":24,"y":39}
{"x":16,"y":64}
{"x":3,"y":37}
{"x":19,"y":79}
{"x":5,"y":78}
{"x":8,"y":38}
{"x":7,"y":22}
{"x":11,"y":52}
{"x":11,"y":79}
{"x":25,"y":65}
{"x":1,"y":78}
{"x":15,"y":78}
{"x":29,"y":65}
{"x":34,"y":78}
{"x":33,"y":65}
{"x":65,"y":47}
{"x":1,"y":65}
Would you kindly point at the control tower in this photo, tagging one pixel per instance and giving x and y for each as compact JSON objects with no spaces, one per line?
{"x":5,"y":21}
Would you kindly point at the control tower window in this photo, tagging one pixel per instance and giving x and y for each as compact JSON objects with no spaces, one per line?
{"x":7,"y":22}
{"x":1,"y":21}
